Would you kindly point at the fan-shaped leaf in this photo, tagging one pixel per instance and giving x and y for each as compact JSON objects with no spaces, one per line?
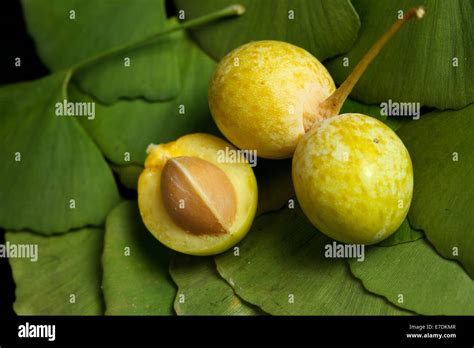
{"x":324,"y":28}
{"x":53,"y":177}
{"x":68,"y":32}
{"x":428,"y":62}
{"x":415,"y":277}
{"x":65,"y":279}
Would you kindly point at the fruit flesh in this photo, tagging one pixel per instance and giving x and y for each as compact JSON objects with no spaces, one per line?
{"x":264,"y":96}
{"x":155,"y":215}
{"x":353,"y":178}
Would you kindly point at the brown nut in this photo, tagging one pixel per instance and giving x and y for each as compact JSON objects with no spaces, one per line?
{"x":198,"y":195}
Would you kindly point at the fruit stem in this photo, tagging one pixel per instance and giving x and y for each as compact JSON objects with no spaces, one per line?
{"x":229,"y":11}
{"x":333,"y":104}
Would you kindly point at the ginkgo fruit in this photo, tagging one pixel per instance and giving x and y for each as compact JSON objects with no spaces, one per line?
{"x":352,"y":175}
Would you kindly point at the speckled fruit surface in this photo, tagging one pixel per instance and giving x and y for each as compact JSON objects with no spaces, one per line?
{"x":160,"y":223}
{"x":263,"y":93}
{"x":353,"y":178}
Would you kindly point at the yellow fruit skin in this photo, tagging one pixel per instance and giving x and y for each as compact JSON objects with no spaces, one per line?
{"x":261,"y":92}
{"x":353,"y":178}
{"x":155,"y":216}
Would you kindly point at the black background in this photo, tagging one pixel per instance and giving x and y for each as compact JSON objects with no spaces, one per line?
{"x":14,"y":42}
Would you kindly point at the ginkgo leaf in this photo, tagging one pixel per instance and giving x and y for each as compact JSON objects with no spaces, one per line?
{"x":53,"y":177}
{"x":415,"y":277}
{"x":125,"y":129}
{"x":324,"y":28}
{"x":427,"y":62}
{"x":201,"y":291}
{"x":441,"y":146}
{"x":64,"y":279}
{"x":68,"y":32}
{"x":282,"y":269}
{"x":136,"y":279}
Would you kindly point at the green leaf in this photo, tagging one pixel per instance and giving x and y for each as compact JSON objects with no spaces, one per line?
{"x":417,"y":65}
{"x":429,"y":284}
{"x":65,"y":279}
{"x":53,"y":177}
{"x":441,"y":145}
{"x":136,"y":279}
{"x":352,"y":106}
{"x":202,"y":291}
{"x":282,"y":269}
{"x":404,"y":234}
{"x":324,"y":28}
{"x":99,"y":26}
{"x":128,"y":127}
{"x":128,"y":175}
{"x":275,"y":186}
